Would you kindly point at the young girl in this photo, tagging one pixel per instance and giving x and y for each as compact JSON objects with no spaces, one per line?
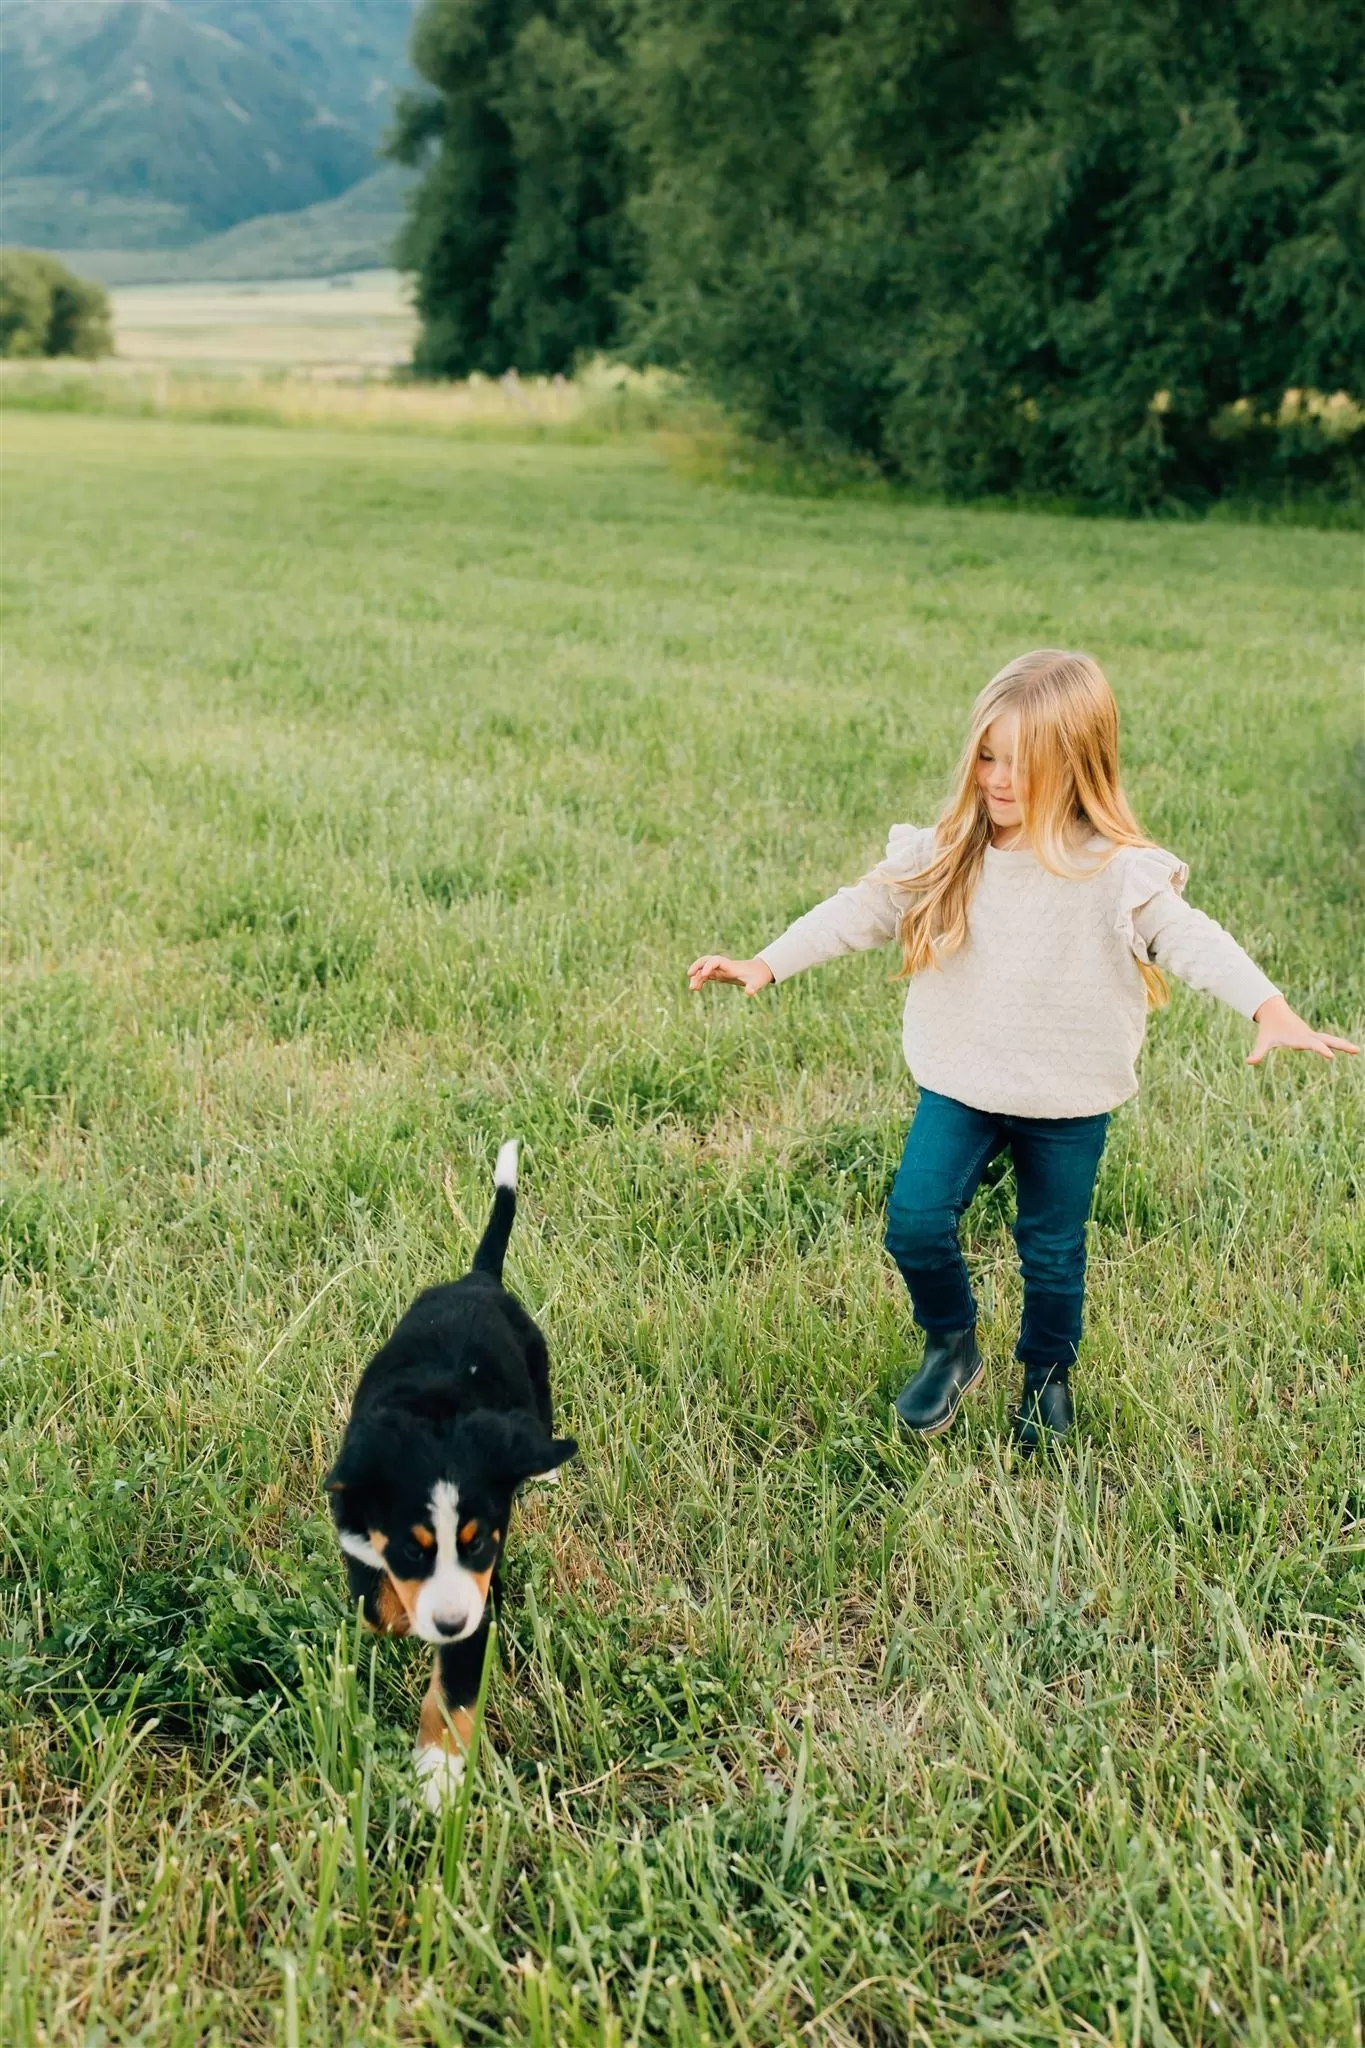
{"x":1035,"y":920}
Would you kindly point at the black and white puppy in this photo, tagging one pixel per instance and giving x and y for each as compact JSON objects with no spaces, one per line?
{"x":449,"y":1419}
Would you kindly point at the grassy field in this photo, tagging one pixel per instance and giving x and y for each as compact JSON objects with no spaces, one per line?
{"x":366,"y":800}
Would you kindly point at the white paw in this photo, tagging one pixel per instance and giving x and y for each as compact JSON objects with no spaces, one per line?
{"x":439,"y":1773}
{"x":550,"y":1478}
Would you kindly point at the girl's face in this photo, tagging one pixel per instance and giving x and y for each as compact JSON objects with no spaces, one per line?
{"x":995,"y":772}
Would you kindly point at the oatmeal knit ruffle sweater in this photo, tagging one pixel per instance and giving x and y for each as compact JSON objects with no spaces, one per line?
{"x":1041,"y":1012}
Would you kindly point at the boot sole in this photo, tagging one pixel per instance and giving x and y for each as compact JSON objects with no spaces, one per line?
{"x":952,"y":1416}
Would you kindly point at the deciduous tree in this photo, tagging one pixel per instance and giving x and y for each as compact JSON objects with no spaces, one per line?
{"x":518,"y":232}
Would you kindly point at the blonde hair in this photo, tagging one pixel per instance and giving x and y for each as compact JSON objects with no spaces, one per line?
{"x":1066,"y":781}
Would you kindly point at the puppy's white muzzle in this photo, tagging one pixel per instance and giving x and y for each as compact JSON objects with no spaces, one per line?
{"x":449,"y":1607}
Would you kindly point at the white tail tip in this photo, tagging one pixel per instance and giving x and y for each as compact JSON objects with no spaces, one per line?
{"x":505,"y":1172}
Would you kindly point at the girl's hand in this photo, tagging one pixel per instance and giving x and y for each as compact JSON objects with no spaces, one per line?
{"x":1277,"y":1024}
{"x":752,"y":975}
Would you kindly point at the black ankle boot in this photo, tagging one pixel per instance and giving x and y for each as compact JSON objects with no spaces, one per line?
{"x":1045,"y":1412}
{"x":952,"y":1366}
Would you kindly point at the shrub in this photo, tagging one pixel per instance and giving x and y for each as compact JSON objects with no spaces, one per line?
{"x":46,"y":310}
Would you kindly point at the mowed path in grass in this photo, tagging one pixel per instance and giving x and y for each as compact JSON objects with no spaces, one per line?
{"x":366,"y":801}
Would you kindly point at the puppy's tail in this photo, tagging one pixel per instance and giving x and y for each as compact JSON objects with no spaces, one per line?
{"x":493,"y":1244}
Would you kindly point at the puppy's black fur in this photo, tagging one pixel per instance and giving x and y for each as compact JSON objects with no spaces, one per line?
{"x":449,"y":1419}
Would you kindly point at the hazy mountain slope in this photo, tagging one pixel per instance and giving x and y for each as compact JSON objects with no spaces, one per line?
{"x":353,"y":232}
{"x":351,"y":54}
{"x":136,"y":122}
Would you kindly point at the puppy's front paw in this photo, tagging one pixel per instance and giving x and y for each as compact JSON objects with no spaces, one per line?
{"x":440,"y":1773}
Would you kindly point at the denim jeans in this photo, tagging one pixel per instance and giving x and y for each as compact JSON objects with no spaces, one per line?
{"x":1055,"y":1163}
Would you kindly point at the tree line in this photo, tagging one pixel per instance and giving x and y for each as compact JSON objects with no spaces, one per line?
{"x":1108,"y":250}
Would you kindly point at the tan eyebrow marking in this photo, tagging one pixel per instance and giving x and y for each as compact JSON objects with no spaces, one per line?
{"x":469,"y":1532}
{"x":423,"y":1535}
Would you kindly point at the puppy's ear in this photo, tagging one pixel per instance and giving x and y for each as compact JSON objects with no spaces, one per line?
{"x":352,"y":1475}
{"x":517,"y":1448}
{"x":552,"y":1452}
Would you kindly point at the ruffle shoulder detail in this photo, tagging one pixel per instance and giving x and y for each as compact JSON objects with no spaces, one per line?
{"x":909,"y":848}
{"x":1143,"y":872}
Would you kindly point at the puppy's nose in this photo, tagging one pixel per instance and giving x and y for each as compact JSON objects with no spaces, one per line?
{"x":448,"y":1624}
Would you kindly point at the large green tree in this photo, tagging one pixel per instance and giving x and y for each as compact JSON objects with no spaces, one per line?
{"x":1161,"y":242}
{"x":1011,"y":244}
{"x":1080,"y":247}
{"x":518,"y":231}
{"x":792,"y":149}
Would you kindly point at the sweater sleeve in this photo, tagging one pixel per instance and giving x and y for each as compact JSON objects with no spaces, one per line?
{"x":855,"y":919}
{"x":1171,"y":934}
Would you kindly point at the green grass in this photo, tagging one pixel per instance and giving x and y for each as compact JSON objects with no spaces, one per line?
{"x":366,"y":800}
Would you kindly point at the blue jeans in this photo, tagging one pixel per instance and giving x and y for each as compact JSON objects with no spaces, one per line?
{"x":1055,"y":1163}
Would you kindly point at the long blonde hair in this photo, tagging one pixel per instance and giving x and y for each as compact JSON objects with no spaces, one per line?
{"x":1066,"y":781}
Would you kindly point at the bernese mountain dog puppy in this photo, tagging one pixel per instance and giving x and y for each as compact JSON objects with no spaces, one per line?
{"x":449,"y":1419}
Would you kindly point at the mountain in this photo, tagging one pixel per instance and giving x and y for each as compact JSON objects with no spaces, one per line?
{"x":353,"y":232}
{"x":350,"y":53}
{"x":130,"y":124}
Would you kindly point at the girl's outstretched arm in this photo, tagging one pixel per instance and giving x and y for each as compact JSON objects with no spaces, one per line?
{"x":1186,"y":943}
{"x":853,"y":920}
{"x":1277,"y":1024}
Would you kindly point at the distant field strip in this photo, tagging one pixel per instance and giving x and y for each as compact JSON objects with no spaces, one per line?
{"x":366,"y":320}
{"x":366,"y":798}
